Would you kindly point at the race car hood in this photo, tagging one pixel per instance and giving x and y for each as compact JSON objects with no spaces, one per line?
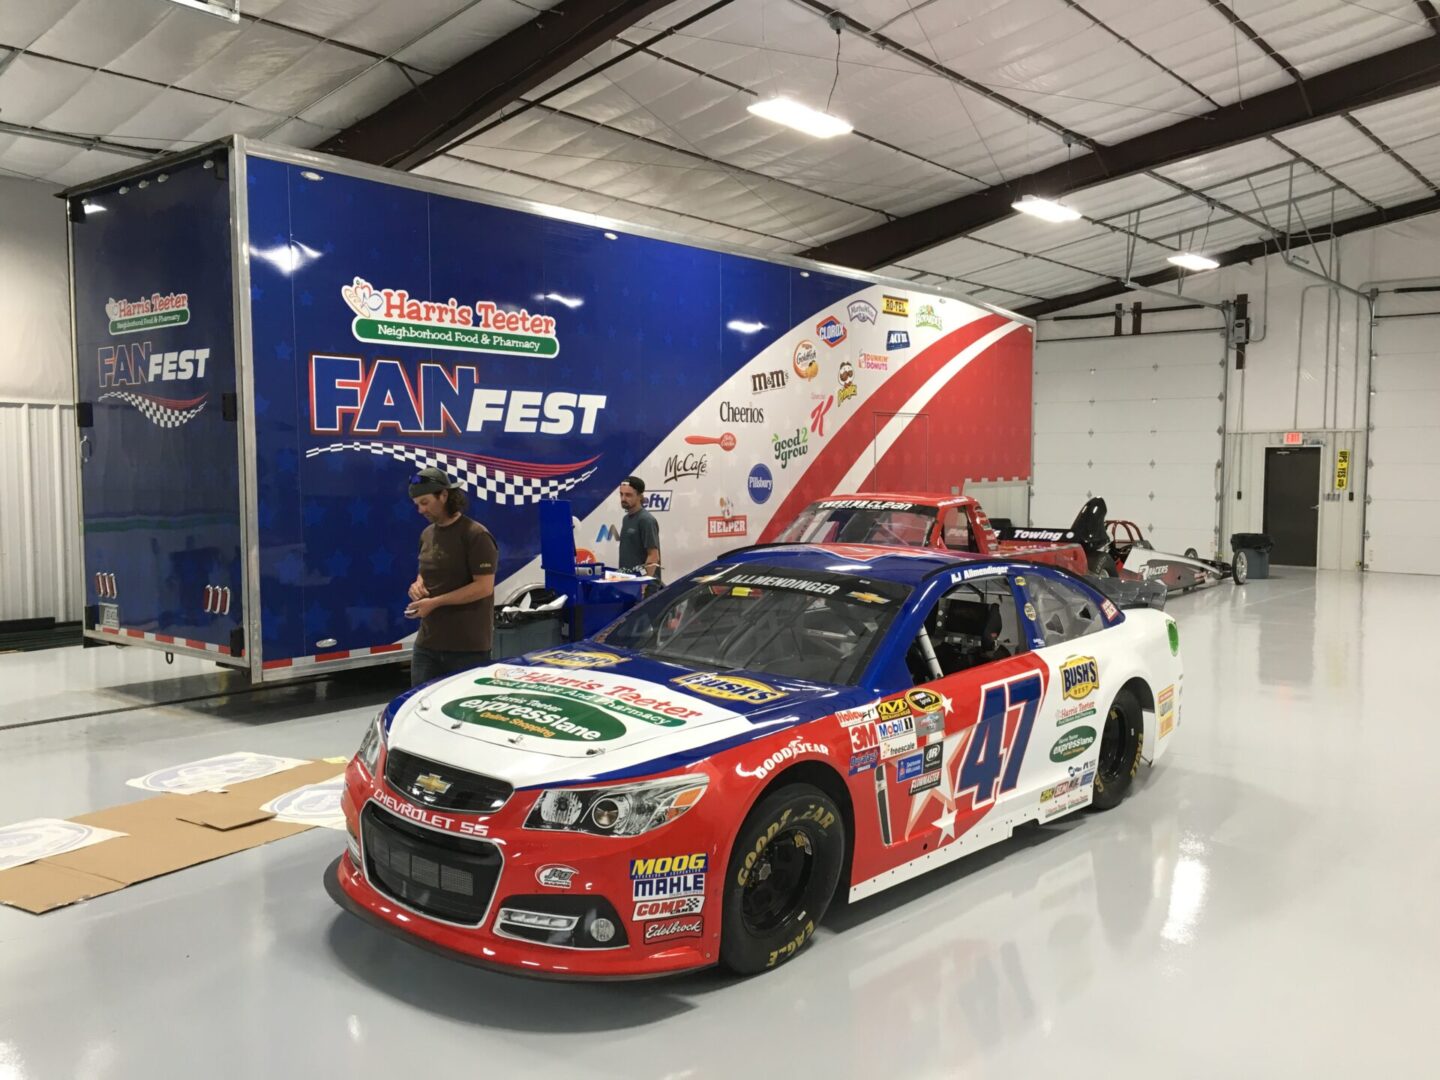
{"x":529,"y":723}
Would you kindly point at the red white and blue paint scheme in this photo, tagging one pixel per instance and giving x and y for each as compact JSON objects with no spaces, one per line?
{"x":693,"y":785}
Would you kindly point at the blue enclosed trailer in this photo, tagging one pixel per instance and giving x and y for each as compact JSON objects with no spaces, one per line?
{"x":268,"y":343}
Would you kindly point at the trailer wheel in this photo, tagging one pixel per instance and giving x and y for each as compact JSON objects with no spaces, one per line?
{"x":782,"y":876}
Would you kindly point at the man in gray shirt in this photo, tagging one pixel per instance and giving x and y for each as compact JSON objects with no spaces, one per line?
{"x":639,"y":533}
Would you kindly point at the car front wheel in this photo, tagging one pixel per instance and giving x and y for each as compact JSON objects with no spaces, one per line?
{"x":781,"y":878}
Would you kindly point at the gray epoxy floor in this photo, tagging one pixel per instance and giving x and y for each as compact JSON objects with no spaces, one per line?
{"x":1263,"y":904}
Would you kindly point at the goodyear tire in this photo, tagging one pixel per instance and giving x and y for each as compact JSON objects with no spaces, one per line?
{"x":781,"y":878}
{"x":1121,"y":744}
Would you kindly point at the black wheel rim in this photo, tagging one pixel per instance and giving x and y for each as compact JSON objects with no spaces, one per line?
{"x":778,"y":881}
{"x":1112,"y":745}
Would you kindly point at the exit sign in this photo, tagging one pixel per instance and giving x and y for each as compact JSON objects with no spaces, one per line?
{"x":1293,"y":438}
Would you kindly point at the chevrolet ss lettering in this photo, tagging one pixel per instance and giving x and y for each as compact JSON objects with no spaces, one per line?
{"x":819,"y":755}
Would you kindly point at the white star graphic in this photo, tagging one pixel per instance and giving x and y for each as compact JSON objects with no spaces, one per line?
{"x":946,"y":824}
{"x":948,"y":705}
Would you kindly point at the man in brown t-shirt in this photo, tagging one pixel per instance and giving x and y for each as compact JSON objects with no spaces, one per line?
{"x":453,"y":596}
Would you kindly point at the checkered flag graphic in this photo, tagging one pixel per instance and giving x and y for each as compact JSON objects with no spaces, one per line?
{"x":483,"y":478}
{"x":162,"y":412}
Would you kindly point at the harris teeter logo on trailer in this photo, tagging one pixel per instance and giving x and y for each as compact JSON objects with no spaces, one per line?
{"x":394,"y":317}
{"x":153,"y":312}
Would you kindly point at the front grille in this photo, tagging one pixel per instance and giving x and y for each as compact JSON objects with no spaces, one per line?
{"x":468,"y":793}
{"x":447,"y":877}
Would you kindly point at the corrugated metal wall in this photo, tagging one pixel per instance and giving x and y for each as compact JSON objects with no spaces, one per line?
{"x":39,"y":524}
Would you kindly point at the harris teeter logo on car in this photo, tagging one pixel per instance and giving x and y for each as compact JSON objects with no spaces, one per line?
{"x":154,"y":312}
{"x":394,"y":317}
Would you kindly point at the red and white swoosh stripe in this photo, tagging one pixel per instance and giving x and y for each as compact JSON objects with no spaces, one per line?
{"x":848,"y":457}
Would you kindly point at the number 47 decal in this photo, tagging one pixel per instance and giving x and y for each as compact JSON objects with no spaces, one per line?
{"x":989,"y":752}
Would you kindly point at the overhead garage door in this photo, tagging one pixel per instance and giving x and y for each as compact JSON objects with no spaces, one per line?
{"x":1137,"y":421}
{"x":1403,"y":517}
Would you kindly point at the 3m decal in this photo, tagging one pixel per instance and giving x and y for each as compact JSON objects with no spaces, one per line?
{"x":1079,"y":677}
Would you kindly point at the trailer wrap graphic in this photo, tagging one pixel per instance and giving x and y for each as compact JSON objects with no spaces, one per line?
{"x":529,"y":357}
{"x":154,"y":335}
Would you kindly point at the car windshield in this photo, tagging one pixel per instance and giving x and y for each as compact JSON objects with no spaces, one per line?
{"x":862,"y":521}
{"x":811,"y":625}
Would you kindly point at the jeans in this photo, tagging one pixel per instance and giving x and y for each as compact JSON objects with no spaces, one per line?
{"x":427,"y":664}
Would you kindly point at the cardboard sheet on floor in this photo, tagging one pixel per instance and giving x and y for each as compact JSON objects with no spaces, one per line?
{"x":39,"y":838}
{"x":40,"y":887}
{"x":162,"y":835}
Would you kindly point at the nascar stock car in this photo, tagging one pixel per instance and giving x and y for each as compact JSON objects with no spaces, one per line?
{"x":693,"y":785}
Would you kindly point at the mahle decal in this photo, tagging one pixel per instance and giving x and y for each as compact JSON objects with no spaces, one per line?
{"x":1079,"y":677}
{"x":1072,"y":744}
{"x":534,"y":714}
{"x":729,"y":687}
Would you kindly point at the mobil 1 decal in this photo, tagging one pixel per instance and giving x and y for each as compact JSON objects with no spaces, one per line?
{"x":154,"y":330}
{"x":947,"y":786}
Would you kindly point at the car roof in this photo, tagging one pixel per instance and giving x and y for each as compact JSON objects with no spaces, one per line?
{"x":904,"y":566}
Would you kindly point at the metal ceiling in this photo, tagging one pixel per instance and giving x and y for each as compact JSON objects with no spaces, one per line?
{"x":1190,"y":124}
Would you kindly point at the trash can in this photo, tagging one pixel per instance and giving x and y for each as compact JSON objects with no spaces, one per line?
{"x":537,"y":621}
{"x":1250,"y":558}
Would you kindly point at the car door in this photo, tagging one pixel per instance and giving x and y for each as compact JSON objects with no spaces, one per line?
{"x":951,"y":749}
{"x":1060,"y":771}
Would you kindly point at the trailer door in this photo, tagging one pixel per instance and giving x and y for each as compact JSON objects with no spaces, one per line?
{"x":155,"y":381}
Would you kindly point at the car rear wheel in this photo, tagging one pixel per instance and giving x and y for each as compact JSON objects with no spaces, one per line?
{"x":781,"y":878}
{"x":1120,"y":746}
{"x":1240,"y":568}
{"x":1105,"y":567}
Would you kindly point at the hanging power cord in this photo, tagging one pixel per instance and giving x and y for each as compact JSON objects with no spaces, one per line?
{"x":837,"y":24}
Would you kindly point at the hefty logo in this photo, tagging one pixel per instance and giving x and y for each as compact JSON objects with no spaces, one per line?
{"x":897,"y":339}
{"x":1080,"y":676}
{"x":657,"y":500}
{"x":831,"y":330}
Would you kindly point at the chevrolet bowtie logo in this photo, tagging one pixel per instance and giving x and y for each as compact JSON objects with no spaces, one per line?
{"x":432,"y":784}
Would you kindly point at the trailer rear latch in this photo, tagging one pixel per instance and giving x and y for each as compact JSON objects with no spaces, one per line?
{"x":84,"y":414}
{"x":229,"y":407}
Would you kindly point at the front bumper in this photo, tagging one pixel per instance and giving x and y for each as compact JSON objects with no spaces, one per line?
{"x":406,"y":893}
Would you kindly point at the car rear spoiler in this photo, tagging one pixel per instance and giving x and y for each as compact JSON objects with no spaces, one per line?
{"x":1131,"y":594}
{"x":1088,"y":531}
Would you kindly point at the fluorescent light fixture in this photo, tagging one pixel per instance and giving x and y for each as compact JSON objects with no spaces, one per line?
{"x":1046,"y":209}
{"x":611,"y":236}
{"x":310,"y":174}
{"x":1188,"y":260}
{"x":740,"y":326}
{"x":94,"y":208}
{"x":569,"y":301}
{"x":213,"y":7}
{"x":287,"y":258}
{"x":792,"y":114}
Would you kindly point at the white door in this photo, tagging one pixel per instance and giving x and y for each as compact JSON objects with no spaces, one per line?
{"x":1403,"y":517}
{"x":1137,"y":421}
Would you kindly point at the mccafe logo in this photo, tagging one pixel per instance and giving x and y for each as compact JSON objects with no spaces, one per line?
{"x":679,"y":466}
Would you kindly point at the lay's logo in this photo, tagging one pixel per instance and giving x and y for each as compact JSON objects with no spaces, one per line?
{"x":729,"y":687}
{"x":1079,"y":677}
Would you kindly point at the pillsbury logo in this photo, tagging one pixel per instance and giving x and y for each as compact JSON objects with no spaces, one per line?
{"x":760,"y":484}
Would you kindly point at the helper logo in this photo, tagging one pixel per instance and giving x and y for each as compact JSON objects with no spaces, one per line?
{"x":347,"y":396}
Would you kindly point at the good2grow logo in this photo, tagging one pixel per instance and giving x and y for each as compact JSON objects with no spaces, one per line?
{"x":394,"y":317}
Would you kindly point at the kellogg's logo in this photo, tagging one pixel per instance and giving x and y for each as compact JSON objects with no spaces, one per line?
{"x":831,"y":331}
